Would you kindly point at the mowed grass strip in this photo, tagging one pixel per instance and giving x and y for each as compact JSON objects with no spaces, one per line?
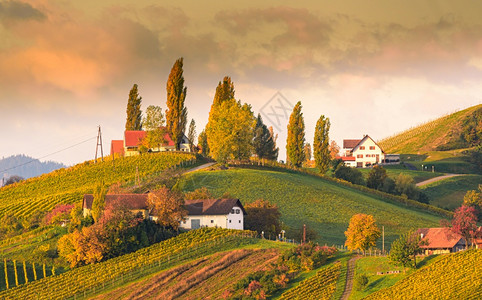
{"x":323,"y":206}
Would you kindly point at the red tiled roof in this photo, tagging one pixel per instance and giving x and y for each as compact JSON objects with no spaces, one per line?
{"x":350,"y":144}
{"x":133,"y":138}
{"x":439,"y":238}
{"x":117,"y":146}
{"x":212,"y":206}
{"x":131,"y":201}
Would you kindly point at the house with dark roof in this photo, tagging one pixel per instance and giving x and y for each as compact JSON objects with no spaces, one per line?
{"x":364,"y":153}
{"x":224,"y":213}
{"x":133,"y":138}
{"x":441,"y":240}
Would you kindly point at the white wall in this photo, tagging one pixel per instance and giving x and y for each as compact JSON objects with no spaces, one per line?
{"x":223,"y":221}
{"x":369,"y":156}
{"x":236,"y":220}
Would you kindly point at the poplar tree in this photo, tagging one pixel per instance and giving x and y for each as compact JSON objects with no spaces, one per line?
{"x":134,"y":113}
{"x":153,"y":124}
{"x":176,"y":113}
{"x":224,"y":91}
{"x":296,"y":137}
{"x":321,"y":144}
{"x":264,"y":145}
{"x":203,"y":142}
{"x":191,"y":136}
{"x":98,"y":204}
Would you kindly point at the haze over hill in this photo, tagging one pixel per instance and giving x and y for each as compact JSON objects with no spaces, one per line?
{"x":26,"y":166}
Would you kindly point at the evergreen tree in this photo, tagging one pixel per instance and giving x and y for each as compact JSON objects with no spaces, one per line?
{"x":264,"y":145}
{"x":176,"y":113}
{"x":296,"y":137}
{"x":202,"y":141}
{"x":191,"y":136}
{"x":321,"y":144}
{"x":134,"y":113}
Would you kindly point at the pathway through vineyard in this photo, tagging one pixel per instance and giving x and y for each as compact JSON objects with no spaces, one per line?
{"x":349,"y":277}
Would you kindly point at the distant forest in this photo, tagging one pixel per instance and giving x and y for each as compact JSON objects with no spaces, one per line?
{"x":27,"y":167}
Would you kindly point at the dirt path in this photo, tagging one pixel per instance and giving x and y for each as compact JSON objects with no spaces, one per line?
{"x":200,"y":167}
{"x":349,"y":277}
{"x":437,"y":179}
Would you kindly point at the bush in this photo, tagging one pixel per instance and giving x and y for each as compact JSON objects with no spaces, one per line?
{"x":361,"y":282}
{"x":349,"y":174}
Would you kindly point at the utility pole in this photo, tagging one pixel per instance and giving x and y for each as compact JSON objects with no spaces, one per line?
{"x":99,"y":143}
{"x":304,"y":233}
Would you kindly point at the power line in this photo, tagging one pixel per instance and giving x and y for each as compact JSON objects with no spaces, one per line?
{"x":35,"y":159}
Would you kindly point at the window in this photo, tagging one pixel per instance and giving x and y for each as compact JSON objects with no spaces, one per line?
{"x":238,"y":211}
{"x":232,"y":211}
{"x":212,"y":221}
{"x":229,"y":221}
{"x":359,"y":156}
{"x":240,"y":221}
{"x":372,"y":147}
{"x":362,"y":147}
{"x":184,"y":221}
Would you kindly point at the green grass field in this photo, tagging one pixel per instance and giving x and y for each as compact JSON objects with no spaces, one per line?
{"x":323,"y":206}
{"x":394,"y":171}
{"x":449,"y":193}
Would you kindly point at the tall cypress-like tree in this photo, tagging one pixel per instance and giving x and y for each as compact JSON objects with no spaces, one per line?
{"x":134,"y":113}
{"x":176,"y":113}
{"x":321,"y":144}
{"x":202,"y":141}
{"x":264,"y":145}
{"x":296,"y":137}
{"x":224,"y":91}
{"x":192,"y":134}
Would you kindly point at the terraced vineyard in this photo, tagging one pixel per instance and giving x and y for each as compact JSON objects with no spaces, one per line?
{"x":91,"y":279}
{"x":69,"y":185}
{"x":456,"y":276}
{"x":321,"y":286}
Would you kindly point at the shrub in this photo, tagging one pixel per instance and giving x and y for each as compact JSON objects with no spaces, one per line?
{"x":349,"y":174}
{"x":361,"y":282}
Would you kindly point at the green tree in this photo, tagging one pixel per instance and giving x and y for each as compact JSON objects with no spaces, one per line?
{"x":362,"y":232}
{"x":307,"y":150}
{"x":296,"y":137}
{"x":98,"y":204}
{"x":263,"y":143}
{"x":134,"y":113}
{"x":153,"y":123}
{"x":404,"y":250}
{"x":474,"y":198}
{"x":230,"y":130}
{"x":349,"y":174}
{"x":176,"y":113}
{"x":376,"y":177}
{"x":224,"y":91}
{"x":191,"y":136}
{"x":405,"y":185}
{"x":202,"y":141}
{"x":321,"y":144}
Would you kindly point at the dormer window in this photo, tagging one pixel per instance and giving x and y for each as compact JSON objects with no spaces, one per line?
{"x":238,"y":211}
{"x":232,"y":211}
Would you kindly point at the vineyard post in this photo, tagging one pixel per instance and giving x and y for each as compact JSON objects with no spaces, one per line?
{"x":15,"y":269}
{"x":45,"y":273}
{"x":6,"y":272}
{"x":34,"y":271}
{"x":25,"y":272}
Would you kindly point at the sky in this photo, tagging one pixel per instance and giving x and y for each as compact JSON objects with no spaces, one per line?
{"x":371,"y":67}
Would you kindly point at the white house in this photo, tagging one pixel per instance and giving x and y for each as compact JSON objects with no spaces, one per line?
{"x":133,"y":138}
{"x":224,"y":213}
{"x":365,"y":152}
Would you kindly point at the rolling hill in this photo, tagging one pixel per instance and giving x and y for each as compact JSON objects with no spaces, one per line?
{"x":445,"y":133}
{"x":324,"y":206}
{"x":26,"y":167}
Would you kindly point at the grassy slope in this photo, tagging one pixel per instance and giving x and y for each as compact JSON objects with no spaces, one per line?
{"x":428,"y":136}
{"x":453,"y":276}
{"x":394,"y":171}
{"x":69,"y":185}
{"x":324,"y":206}
{"x":449,"y":193}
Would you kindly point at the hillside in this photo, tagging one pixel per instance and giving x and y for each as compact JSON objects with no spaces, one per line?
{"x":455,"y":276}
{"x":70,"y":184}
{"x":26,"y":167}
{"x":325,"y":207}
{"x":446,"y":133}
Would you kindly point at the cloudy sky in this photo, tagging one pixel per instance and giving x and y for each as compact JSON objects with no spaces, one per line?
{"x":372,"y":67}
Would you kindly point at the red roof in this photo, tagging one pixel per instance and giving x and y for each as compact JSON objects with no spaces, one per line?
{"x":117,"y":146}
{"x":350,"y":144}
{"x":133,"y":138}
{"x":439,"y":238}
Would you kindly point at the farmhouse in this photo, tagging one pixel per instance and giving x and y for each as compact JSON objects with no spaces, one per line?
{"x":224,"y":213}
{"x":441,"y":240}
{"x":365,"y":153}
{"x":133,"y":138}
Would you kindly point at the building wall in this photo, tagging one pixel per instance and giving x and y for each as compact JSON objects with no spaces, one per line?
{"x":366,"y":153}
{"x":236,"y":219}
{"x":233,"y":220}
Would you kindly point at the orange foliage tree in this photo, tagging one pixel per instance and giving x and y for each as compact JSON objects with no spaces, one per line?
{"x":362,"y":232}
{"x":167,"y":206}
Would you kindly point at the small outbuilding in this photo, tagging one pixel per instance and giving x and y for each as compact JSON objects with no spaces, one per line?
{"x":441,"y":240}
